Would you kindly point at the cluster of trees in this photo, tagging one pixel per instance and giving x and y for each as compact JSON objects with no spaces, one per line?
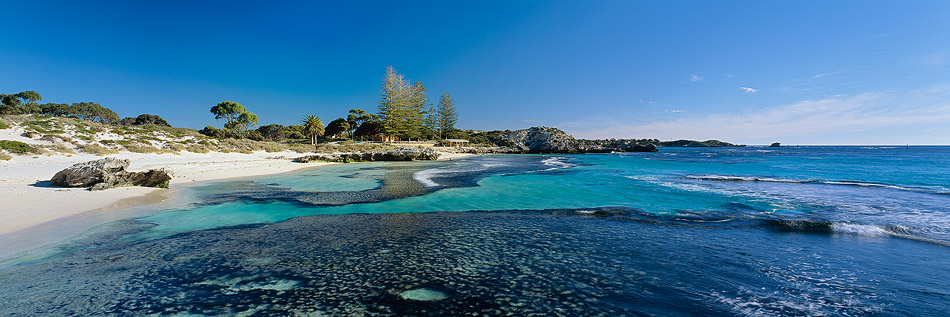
{"x":144,"y":119}
{"x":406,"y":113}
{"x":26,"y":103}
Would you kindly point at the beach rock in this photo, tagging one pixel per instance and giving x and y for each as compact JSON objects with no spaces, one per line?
{"x":89,"y":173}
{"x":109,"y":173}
{"x":402,"y":154}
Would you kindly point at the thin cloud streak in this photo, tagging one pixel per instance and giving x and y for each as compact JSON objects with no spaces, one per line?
{"x":748,"y":89}
{"x":864,"y":118}
{"x":695,"y":78}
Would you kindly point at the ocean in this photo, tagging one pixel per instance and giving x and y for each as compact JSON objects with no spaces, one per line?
{"x":816,"y":230}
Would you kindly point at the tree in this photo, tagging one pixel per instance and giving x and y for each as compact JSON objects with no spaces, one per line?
{"x":401,"y":105}
{"x":415,"y":112}
{"x":29,"y":97}
{"x":143,"y":119}
{"x":369,"y":129}
{"x":54,"y":109}
{"x":447,"y":117}
{"x":246,"y":121}
{"x":274,"y":132}
{"x":393,"y":101}
{"x":336,"y":127}
{"x":430,"y":122}
{"x":295,"y":131}
{"x":93,"y":112}
{"x":355,"y":118}
{"x":9,"y":104}
{"x":229,"y":110}
{"x":312,"y":127}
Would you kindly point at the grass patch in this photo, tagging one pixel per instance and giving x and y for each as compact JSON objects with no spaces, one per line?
{"x":199,"y":148}
{"x":19,"y":148}
{"x":4,"y":125}
{"x":5,"y":156}
{"x":59,"y":148}
{"x":144,"y":148}
{"x":96,"y":149}
{"x":174,"y":147}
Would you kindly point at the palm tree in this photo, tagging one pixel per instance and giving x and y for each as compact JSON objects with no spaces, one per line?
{"x":312,"y":126}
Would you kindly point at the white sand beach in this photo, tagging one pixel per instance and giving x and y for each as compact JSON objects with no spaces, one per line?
{"x":30,"y":200}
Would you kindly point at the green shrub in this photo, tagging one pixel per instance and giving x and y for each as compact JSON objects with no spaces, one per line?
{"x":17,"y":147}
{"x":5,"y":156}
{"x":4,"y":125}
{"x":93,"y":148}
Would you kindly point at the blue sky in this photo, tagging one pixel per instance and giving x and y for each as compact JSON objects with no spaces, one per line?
{"x":798,"y":72}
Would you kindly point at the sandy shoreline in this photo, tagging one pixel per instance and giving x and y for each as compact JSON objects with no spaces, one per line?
{"x":31,"y":201}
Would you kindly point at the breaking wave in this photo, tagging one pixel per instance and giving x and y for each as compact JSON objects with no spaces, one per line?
{"x":729,"y":178}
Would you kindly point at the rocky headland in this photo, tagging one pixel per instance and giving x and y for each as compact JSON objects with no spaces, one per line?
{"x":555,"y":141}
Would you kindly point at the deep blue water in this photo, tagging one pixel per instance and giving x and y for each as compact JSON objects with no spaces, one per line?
{"x":716,"y":231}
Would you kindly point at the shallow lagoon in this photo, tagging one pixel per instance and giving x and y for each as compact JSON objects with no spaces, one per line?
{"x":684,"y":231}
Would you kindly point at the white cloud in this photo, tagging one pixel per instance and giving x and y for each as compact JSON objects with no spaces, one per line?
{"x":677,"y":111}
{"x":748,"y":89}
{"x":868,"y":118}
{"x":695,"y":78}
{"x":730,"y":75}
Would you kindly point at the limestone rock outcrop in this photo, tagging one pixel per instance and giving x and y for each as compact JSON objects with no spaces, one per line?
{"x":109,"y":173}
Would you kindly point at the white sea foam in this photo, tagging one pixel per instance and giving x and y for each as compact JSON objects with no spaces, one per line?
{"x":424,"y":177}
{"x":556,"y":163}
{"x":859,"y":229}
{"x":933,"y":190}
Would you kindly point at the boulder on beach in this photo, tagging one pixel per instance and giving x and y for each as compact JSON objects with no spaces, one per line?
{"x":109,"y":173}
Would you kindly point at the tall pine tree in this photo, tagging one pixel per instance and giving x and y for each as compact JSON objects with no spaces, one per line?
{"x":446,"y":117}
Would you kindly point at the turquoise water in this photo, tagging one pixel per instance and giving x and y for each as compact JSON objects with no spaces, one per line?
{"x":792,"y":230}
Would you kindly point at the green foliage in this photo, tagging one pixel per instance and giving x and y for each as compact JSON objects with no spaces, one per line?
{"x":369,"y":129}
{"x":29,"y":97}
{"x":93,"y":112}
{"x":4,"y":125}
{"x":295,"y":131}
{"x":229,"y":110}
{"x":144,"y":119}
{"x":213,"y":132}
{"x":20,"y":103}
{"x":337,"y":127}
{"x":273,"y":132}
{"x":93,"y":148}
{"x":17,"y":147}
{"x":446,"y":115}
{"x":5,"y":156}
{"x":312,"y":127}
{"x":254,"y":135}
{"x":402,"y":107}
{"x":246,"y":121}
